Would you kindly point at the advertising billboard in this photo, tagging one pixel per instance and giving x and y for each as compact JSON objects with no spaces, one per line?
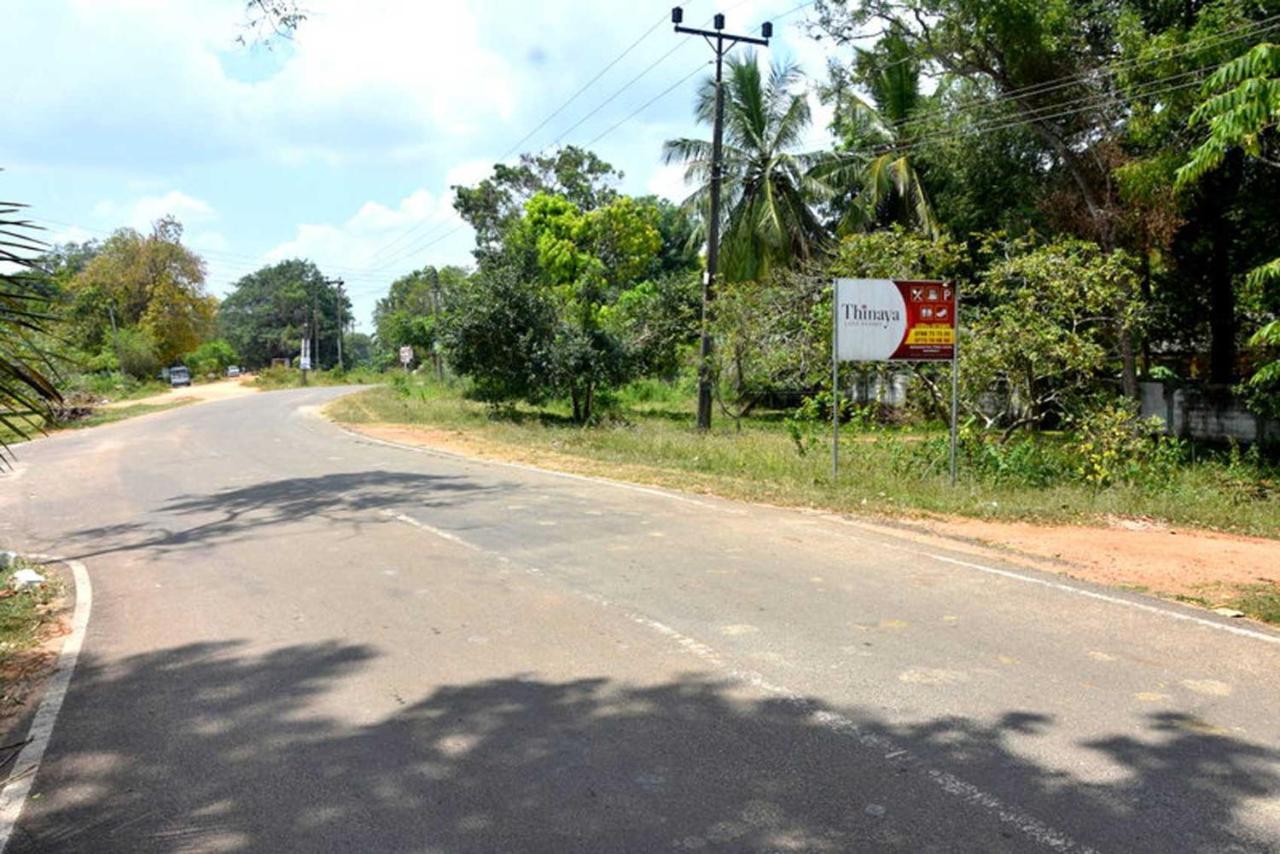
{"x":888,"y":320}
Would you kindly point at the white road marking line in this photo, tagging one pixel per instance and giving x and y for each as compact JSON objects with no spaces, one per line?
{"x":432,"y":529}
{"x":1103,"y":597}
{"x":449,"y":455}
{"x":1025,"y":823}
{"x":1017,"y":576}
{"x":1160,"y":610}
{"x":13,"y":796}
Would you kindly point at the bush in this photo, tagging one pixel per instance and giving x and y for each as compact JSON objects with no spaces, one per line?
{"x":500,"y":335}
{"x":1114,"y":445}
{"x":135,"y":351}
{"x":211,"y":358}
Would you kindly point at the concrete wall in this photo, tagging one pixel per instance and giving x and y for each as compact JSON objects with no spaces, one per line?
{"x":1213,"y":414}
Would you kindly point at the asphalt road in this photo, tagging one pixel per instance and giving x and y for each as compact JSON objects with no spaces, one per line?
{"x":304,"y":641}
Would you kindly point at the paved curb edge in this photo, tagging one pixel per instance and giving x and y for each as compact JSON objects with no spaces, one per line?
{"x":13,"y":795}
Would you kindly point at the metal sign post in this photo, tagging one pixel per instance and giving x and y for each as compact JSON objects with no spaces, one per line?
{"x":955,"y":387}
{"x":835,"y":381}
{"x":406,"y":356}
{"x":893,"y":320}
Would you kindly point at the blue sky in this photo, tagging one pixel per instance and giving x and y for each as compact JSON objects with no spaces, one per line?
{"x":341,"y":145}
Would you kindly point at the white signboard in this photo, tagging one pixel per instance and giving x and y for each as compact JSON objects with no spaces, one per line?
{"x":881,"y":320}
{"x":305,"y":363}
{"x":406,"y":355}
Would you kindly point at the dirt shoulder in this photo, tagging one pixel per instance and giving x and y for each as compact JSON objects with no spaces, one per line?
{"x":219,"y":390}
{"x":1209,"y":567}
{"x":29,"y":655}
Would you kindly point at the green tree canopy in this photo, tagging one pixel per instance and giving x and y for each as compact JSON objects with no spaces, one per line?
{"x":769,"y":188}
{"x":150,"y":281}
{"x":269,"y":311}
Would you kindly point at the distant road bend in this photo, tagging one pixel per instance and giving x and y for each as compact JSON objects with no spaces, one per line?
{"x":306,"y":641}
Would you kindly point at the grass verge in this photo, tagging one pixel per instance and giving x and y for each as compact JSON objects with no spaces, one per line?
{"x":270,"y":379}
{"x":888,"y":472}
{"x":95,"y":419}
{"x":27,"y":618}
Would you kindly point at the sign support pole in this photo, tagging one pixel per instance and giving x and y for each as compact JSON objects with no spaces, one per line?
{"x":835,"y":380}
{"x":955,"y":386}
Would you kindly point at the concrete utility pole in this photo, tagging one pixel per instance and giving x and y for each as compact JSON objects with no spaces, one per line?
{"x":721,"y":43}
{"x":338,"y":285}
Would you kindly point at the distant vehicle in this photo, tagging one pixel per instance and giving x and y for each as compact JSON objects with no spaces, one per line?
{"x":179,"y":376}
{"x":233,"y":370}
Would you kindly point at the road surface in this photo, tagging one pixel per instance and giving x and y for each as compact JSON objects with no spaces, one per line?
{"x":306,"y":641}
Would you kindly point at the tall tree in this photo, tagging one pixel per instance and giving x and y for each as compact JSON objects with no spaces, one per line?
{"x":491,"y":206}
{"x":412,"y":312}
{"x":769,"y":188}
{"x":152,"y":282}
{"x":268,"y":313}
{"x":1242,"y":112}
{"x":880,"y":131}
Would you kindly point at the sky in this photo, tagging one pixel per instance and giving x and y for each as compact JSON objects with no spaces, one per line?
{"x":341,"y":144}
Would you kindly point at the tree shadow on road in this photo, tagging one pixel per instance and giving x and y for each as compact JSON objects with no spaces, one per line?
{"x":209,"y":747}
{"x":241,"y":513}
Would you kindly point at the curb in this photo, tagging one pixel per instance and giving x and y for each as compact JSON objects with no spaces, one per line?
{"x":13,"y":795}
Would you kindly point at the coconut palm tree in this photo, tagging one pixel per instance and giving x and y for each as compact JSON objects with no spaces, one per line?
{"x":882,"y":131}
{"x":26,"y":393}
{"x":768,"y":188}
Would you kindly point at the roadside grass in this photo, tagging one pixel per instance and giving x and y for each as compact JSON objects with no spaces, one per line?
{"x":1260,"y":601}
{"x":650,"y":437}
{"x":269,"y":379}
{"x":112,"y":386}
{"x":25,"y":616}
{"x":107,"y":416}
{"x":96,"y":418}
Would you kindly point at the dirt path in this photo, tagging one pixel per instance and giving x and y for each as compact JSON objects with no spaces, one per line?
{"x":218,"y":390}
{"x":1170,"y":561}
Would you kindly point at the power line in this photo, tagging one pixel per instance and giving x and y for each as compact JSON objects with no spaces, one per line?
{"x":1056,"y":84}
{"x":546,"y":120}
{"x":1004,"y":124}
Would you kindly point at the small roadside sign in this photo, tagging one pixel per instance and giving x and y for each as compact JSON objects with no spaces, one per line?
{"x":406,"y":355}
{"x":887,"y":320}
{"x":893,"y":320}
{"x":305,"y":363}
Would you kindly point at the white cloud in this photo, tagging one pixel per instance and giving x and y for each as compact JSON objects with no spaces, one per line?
{"x":378,"y":243}
{"x":467,"y":173}
{"x":668,"y":181}
{"x":148,"y":84}
{"x":143,"y":211}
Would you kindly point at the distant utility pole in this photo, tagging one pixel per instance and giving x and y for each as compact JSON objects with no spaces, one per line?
{"x":338,"y":284}
{"x":721,"y":43}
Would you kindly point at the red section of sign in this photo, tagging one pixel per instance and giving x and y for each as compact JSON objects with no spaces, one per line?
{"x":931,"y":322}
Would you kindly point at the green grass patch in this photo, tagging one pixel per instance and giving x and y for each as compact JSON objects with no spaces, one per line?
{"x":97,"y":418}
{"x":23,"y":616}
{"x":112,"y":387}
{"x":107,"y":416}
{"x":1260,"y":601}
{"x":883,"y":470}
{"x":270,"y":379}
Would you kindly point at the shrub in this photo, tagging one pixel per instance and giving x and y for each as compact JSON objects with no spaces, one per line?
{"x":136,"y":353}
{"x":1114,"y":445}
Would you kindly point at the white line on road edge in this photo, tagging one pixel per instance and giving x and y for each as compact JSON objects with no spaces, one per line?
{"x":14,"y":795}
{"x":1028,"y":825}
{"x":1017,"y":576}
{"x":1114,"y":600}
{"x":463,"y":458}
{"x":432,"y":529}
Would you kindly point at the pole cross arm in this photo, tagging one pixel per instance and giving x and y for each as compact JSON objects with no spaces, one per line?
{"x":719,"y":34}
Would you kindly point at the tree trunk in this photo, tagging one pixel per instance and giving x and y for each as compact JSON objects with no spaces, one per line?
{"x":1222,"y":297}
